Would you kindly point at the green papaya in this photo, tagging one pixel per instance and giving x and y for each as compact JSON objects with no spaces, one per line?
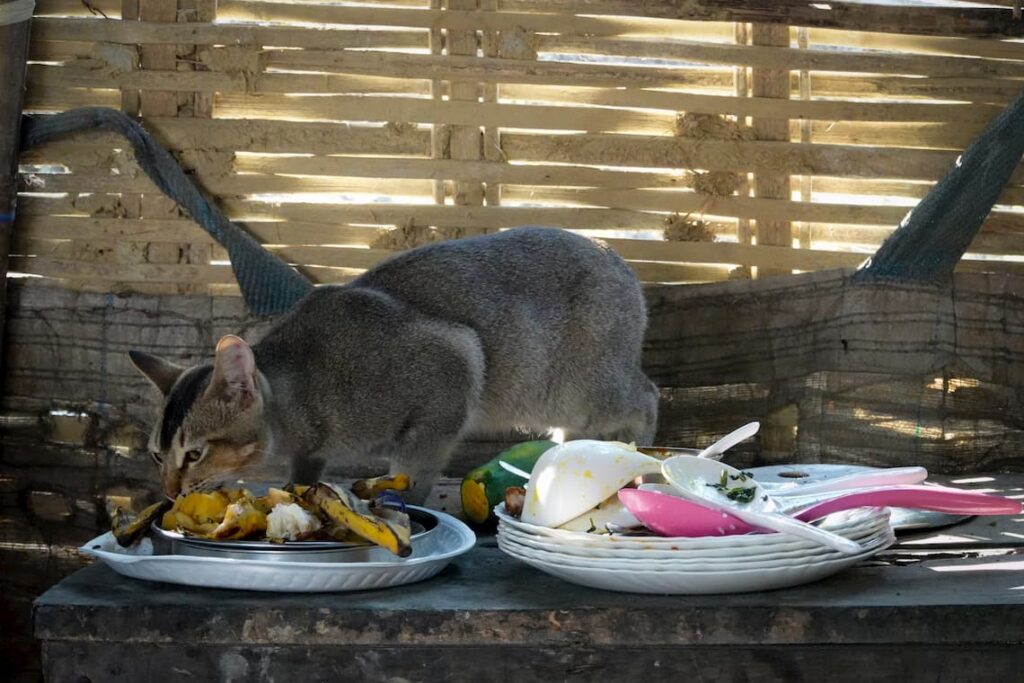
{"x":484,"y":487}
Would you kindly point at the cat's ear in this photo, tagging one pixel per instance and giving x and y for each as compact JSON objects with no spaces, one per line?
{"x":162,"y":373}
{"x":234,"y":372}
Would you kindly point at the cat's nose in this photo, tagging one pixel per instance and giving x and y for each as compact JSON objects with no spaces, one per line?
{"x":172,"y":488}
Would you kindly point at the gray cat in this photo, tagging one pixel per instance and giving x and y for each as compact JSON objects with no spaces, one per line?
{"x":529,"y":329}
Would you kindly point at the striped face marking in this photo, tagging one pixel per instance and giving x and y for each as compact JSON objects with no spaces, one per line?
{"x":211,"y":425}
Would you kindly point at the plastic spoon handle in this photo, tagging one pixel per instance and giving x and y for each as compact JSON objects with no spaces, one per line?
{"x":715,"y":450}
{"x":890,"y":476}
{"x":777,"y":521}
{"x":917,"y":497}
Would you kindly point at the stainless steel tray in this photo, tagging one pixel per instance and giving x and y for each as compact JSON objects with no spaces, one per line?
{"x":424,"y":542}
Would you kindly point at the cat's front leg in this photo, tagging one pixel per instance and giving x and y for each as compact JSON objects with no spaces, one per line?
{"x":306,"y":468}
{"x":422,"y":454}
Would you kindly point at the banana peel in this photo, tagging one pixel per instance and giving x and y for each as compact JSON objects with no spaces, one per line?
{"x":341,"y":509}
{"x":196,"y":509}
{"x":276,"y":497}
{"x":241,"y":520}
{"x":128,"y":531}
{"x":368,"y":489}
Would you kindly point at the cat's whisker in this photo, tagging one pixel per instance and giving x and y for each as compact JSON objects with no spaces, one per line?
{"x":204,"y":485}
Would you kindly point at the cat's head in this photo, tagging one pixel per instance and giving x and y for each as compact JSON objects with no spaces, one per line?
{"x":211,"y":424}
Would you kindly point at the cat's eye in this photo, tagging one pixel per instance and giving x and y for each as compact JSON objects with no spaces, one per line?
{"x":194,"y":455}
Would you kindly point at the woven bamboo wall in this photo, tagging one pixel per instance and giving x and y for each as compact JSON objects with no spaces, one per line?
{"x":340,"y":133}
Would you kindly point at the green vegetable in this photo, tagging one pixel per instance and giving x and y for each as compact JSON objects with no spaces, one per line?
{"x":740,"y":494}
{"x":484,"y":487}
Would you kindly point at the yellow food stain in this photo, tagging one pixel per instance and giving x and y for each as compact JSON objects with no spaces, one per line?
{"x":587,"y":474}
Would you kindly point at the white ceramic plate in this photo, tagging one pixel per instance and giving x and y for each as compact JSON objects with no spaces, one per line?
{"x":617,"y":544}
{"x":840,"y":522}
{"x":681,"y":562}
{"x":606,"y":546}
{"x":640,"y":580}
{"x":861,"y":535}
{"x":453,"y":539}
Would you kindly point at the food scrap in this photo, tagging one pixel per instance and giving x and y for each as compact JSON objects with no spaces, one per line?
{"x":515,"y":496}
{"x":291,"y":522}
{"x":371,"y":488}
{"x":740,"y":494}
{"x":129,"y":531}
{"x":294,"y":513}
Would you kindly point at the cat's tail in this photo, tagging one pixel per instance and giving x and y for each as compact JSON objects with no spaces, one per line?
{"x":932,"y":238}
{"x":269,"y":285}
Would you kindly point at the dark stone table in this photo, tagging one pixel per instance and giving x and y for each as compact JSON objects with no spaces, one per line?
{"x":944,"y":605}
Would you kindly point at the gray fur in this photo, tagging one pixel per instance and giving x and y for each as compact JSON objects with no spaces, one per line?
{"x":530,"y":328}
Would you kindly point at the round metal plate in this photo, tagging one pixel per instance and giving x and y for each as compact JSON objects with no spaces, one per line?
{"x":424,"y":527}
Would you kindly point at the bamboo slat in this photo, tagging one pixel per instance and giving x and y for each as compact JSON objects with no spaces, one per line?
{"x":57,"y":78}
{"x":765,"y":209}
{"x":465,"y":138}
{"x":795,"y":158}
{"x":451,"y":112}
{"x":821,"y":109}
{"x":245,"y":10}
{"x":119,"y":272}
{"x":42,"y":99}
{"x":111,"y":9}
{"x":182,"y":230}
{"x":768,"y":57}
{"x":269,"y":137}
{"x":144,"y":32}
{"x":769,"y":81}
{"x":928,"y":45}
{"x":952,"y":21}
{"x":226,"y":185}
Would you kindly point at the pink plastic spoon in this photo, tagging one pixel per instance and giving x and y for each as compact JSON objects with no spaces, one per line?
{"x":727,"y":489}
{"x":667,"y":515}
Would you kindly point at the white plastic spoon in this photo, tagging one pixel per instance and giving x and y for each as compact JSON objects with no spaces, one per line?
{"x":718,"y":448}
{"x":724,"y":488}
{"x":890,"y":476}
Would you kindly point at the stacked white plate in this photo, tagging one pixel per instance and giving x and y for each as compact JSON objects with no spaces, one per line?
{"x":719,"y":564}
